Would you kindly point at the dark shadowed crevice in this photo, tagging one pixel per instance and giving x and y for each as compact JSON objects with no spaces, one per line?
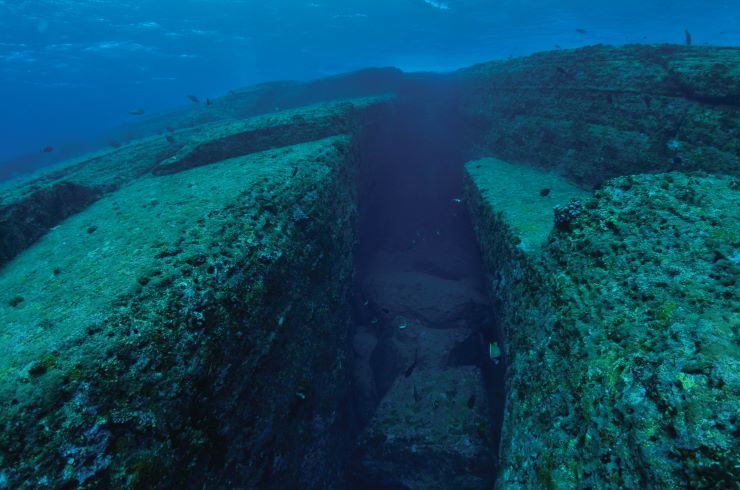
{"x":428,"y":396}
{"x":24,"y":222}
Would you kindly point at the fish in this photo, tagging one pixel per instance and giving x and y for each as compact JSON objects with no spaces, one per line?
{"x":115,"y":144}
{"x":295,"y":171}
{"x":209,"y":101}
{"x":47,"y":149}
{"x":580,"y":30}
{"x":170,"y":139}
{"x":194,"y":99}
{"x":544,"y":192}
{"x":137,"y":112}
{"x":494,"y":352}
{"x":687,"y":37}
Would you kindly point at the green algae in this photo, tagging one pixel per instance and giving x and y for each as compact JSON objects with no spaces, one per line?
{"x":99,"y":356}
{"x":37,"y":203}
{"x":620,"y":331}
{"x":515,"y":190}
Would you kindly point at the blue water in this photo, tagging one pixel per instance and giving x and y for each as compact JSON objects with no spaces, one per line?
{"x":70,"y":69}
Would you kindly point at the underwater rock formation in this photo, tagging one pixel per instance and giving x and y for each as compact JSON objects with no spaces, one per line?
{"x":175,"y":310}
{"x":186,"y":329}
{"x":599,"y":112}
{"x":430,"y":430}
{"x":273,"y":97}
{"x":30,"y":209}
{"x":621,"y":329}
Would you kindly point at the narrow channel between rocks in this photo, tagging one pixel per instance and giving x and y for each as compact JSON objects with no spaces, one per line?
{"x":428,"y":376}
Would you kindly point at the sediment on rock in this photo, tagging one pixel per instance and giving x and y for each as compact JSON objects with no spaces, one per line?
{"x":201,"y":334}
{"x":621,"y":328}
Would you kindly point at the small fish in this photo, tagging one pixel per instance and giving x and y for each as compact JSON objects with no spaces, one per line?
{"x":545,"y":192}
{"x":47,"y":149}
{"x":170,"y":139}
{"x":137,"y":112}
{"x":209,"y":101}
{"x":295,"y":171}
{"x":115,"y":144}
{"x":687,"y":37}
{"x":456,"y":200}
{"x":494,"y":352}
{"x":581,"y":30}
{"x":194,"y":99}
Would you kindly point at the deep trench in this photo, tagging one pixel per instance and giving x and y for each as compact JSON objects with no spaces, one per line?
{"x":420,"y":307}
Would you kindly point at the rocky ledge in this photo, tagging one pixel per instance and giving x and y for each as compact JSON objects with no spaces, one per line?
{"x":600,"y":111}
{"x":620,"y":311}
{"x":189,"y":328}
{"x":29,"y":208}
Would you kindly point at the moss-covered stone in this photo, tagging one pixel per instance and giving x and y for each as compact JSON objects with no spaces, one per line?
{"x":225,"y":367}
{"x":622,"y":335}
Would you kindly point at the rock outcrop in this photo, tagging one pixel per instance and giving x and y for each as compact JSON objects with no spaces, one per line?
{"x":190,"y":328}
{"x":33,"y":206}
{"x":175,"y":310}
{"x":600,"y":112}
{"x":620,"y":325}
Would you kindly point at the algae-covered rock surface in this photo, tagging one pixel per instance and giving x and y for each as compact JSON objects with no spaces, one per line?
{"x":175,"y":332}
{"x":32,"y":206}
{"x":600,"y":111}
{"x":621,"y":331}
{"x":524,"y":195}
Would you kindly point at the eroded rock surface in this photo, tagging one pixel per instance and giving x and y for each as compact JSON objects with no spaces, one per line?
{"x":599,"y":112}
{"x":30,"y":207}
{"x":186,"y":330}
{"x":621,"y":329}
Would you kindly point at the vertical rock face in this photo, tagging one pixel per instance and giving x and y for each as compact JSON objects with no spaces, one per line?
{"x":621,"y":327}
{"x":188,"y":329}
{"x":600,"y":112}
{"x":620,"y":309}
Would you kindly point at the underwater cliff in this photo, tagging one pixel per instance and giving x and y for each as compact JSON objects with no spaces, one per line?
{"x":524,"y":274}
